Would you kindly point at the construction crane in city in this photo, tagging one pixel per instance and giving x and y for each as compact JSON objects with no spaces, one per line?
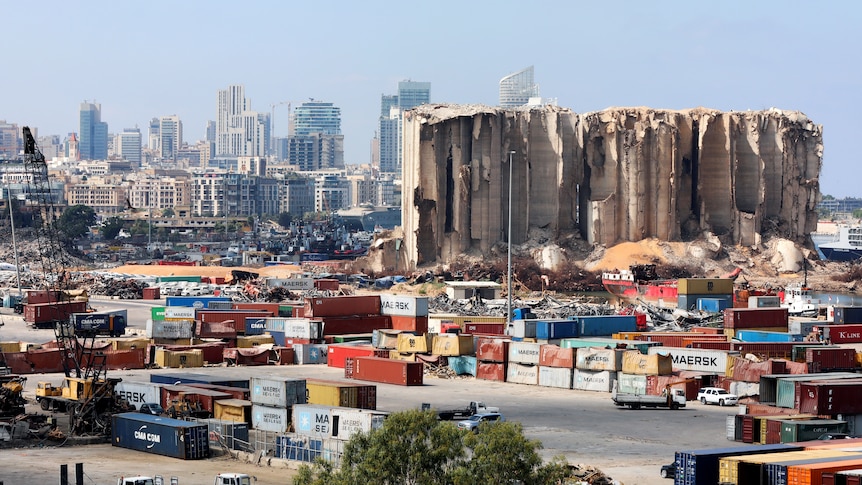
{"x":87,"y":394}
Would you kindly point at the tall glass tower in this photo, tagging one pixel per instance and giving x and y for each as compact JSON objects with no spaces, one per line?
{"x":517,"y":88}
{"x":410,"y":94}
{"x":93,"y":136}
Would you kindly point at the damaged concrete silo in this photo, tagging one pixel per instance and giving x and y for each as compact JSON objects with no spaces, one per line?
{"x":621,"y":174}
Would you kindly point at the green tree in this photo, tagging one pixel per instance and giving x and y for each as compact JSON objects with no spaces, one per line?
{"x":857,"y":214}
{"x":168,"y":212}
{"x":111,"y":228}
{"x":139,"y":227}
{"x":75,"y":222}
{"x":415,"y":448}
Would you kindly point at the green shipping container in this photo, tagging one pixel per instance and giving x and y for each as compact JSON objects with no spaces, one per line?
{"x":285,"y":311}
{"x":157,"y":313}
{"x":190,"y":279}
{"x":354,"y":337}
{"x":577,"y":343}
{"x":785,"y":390}
{"x":793,"y":431}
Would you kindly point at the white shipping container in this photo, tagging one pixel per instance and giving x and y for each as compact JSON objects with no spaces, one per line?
{"x":596,"y":358}
{"x":555,"y":377}
{"x":522,"y":374}
{"x":631,"y":383}
{"x":435,"y":324}
{"x":312,"y":420}
{"x":763,"y":302}
{"x":730,"y":427}
{"x":170,"y":329}
{"x":137,"y":393}
{"x":524,"y":352}
{"x":802,"y":327}
{"x":180,"y":312}
{"x":404,"y":305}
{"x":591,"y":380}
{"x":522,"y":329}
{"x":302,"y":328}
{"x":702,"y":360}
{"x":744,"y":389}
{"x":346,"y":422}
{"x":297,"y":284}
{"x":280,"y":392}
{"x":309,"y":353}
{"x":269,"y":418}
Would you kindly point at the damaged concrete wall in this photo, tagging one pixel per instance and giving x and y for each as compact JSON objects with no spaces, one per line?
{"x":621,"y":174}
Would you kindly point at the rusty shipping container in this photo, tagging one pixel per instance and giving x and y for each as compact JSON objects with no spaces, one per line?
{"x":491,"y":371}
{"x":677,"y":339}
{"x":236,"y":316}
{"x":257,"y":306}
{"x":830,"y":397}
{"x":554,"y":356}
{"x":739,"y":318}
{"x":484,"y":328}
{"x":376,"y":369}
{"x":417,"y":325}
{"x":492,"y":349}
{"x":342,"y":306}
{"x":337,"y":354}
{"x":346,"y":325}
{"x":823,"y":360}
{"x":43,"y":313}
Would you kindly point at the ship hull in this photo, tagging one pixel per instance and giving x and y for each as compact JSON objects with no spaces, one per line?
{"x":841,"y":254}
{"x":660,"y":293}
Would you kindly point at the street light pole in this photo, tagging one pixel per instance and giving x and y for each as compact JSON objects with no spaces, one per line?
{"x":14,"y":245}
{"x":509,"y":247}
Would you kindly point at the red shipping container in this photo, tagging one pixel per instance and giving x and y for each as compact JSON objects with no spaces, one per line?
{"x":711,"y":345}
{"x":257,"y":306}
{"x":235,"y":392}
{"x":492,"y":350}
{"x":708,"y":330}
{"x":51,"y":312}
{"x":554,"y":356}
{"x":249,"y":356}
{"x":326,"y":284}
{"x":841,"y":334}
{"x":388,"y":371}
{"x":485,"y":328}
{"x":338,"y":354}
{"x":238,"y":317}
{"x":153,"y":293}
{"x":655,"y":385}
{"x":125,"y":359}
{"x":291,"y":341}
{"x":18,"y":364}
{"x":173,"y":393}
{"x":355,"y":324}
{"x":758,"y":409}
{"x":490,"y":371}
{"x":822,"y":360}
{"x":830,"y":397}
{"x":418,"y":325}
{"x":205,"y":398}
{"x":678,"y":339}
{"x":765,"y":350}
{"x":740,"y":318}
{"x":224,"y":329}
{"x":284,"y":355}
{"x":342,"y":306}
{"x":298,"y":312}
{"x":42,"y":296}
{"x":42,"y":361}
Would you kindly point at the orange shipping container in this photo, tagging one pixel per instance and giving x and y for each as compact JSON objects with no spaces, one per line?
{"x":417,"y":325}
{"x":812,"y":473}
{"x":554,"y":356}
{"x":490,"y":371}
{"x":492,"y":350}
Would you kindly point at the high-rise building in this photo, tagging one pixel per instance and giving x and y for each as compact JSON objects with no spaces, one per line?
{"x":93,"y":135}
{"x":517,"y":88}
{"x":410,"y":94}
{"x":9,"y":140}
{"x":170,"y":137}
{"x":211,"y":131}
{"x":129,"y":145}
{"x":240,"y":131}
{"x":315,"y":141}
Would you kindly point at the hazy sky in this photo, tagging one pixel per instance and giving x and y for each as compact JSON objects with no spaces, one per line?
{"x":146,"y":59}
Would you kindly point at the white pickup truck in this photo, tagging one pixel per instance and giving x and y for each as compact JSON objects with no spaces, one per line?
{"x":716,"y":395}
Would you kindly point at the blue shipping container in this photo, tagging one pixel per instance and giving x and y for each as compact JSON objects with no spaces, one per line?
{"x":762,"y":336}
{"x":690,"y":302}
{"x":257,"y":326}
{"x":595,"y":326}
{"x":847,"y":314}
{"x":201,"y":302}
{"x":463,"y":365}
{"x":220,"y":305}
{"x":301,"y":449}
{"x":700,"y":467}
{"x":105,"y":323}
{"x":277,"y":337}
{"x":160,"y":435}
{"x":173,"y":378}
{"x":713,"y":305}
{"x":556,"y":329}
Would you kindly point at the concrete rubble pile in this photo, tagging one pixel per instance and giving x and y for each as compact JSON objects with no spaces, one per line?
{"x":546,"y":307}
{"x":621,"y":174}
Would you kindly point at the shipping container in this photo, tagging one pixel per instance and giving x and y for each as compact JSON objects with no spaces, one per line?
{"x":355,"y":324}
{"x":492,"y":349}
{"x":700,"y":467}
{"x":847,"y":314}
{"x":280,"y":392}
{"x":554,"y":356}
{"x":557,"y":329}
{"x":342,"y":306}
{"x":678,"y":339}
{"x":255,"y":325}
{"x":309,"y":353}
{"x":238,"y":410}
{"x":484,"y":328}
{"x":160,"y":435}
{"x":228,"y":433}
{"x":137,"y":393}
{"x":522,"y":329}
{"x":191,"y":377}
{"x":764,"y":301}
{"x":629,"y":383}
{"x":162,"y":329}
{"x":843,"y":334}
{"x":797,"y":326}
{"x":417,"y":325}
{"x":241,"y":393}
{"x":812,"y":473}
{"x":193,"y":301}
{"x":157,"y":313}
{"x":337,"y":354}
{"x":404,"y":305}
{"x":296,"y":327}
{"x":387,"y":371}
{"x":273,"y":308}
{"x":704,"y":286}
{"x":414,"y":343}
{"x":216,"y":330}
{"x":179,"y":313}
{"x":179,"y":358}
{"x":653,"y":364}
{"x":749,"y":469}
{"x":599,"y":359}
{"x":714,"y":305}
{"x":236,"y":316}
{"x":576,"y":343}
{"x":491,"y":371}
{"x":45,"y":313}
{"x":830,"y":359}
{"x":104,"y":323}
{"x":312,"y":420}
{"x":555,"y":377}
{"x":691,"y":302}
{"x":385,"y":339}
{"x":522,"y":374}
{"x":342,"y":394}
{"x":806,"y":430}
{"x":270,"y":418}
{"x":741,"y":318}
{"x":601,"y":325}
{"x":524,"y":352}
{"x":766,"y":336}
{"x":657,"y":385}
{"x":592,"y":380}
{"x":702,"y":360}
{"x":463,"y":365}
{"x":346,"y":422}
{"x":830,"y":397}
{"x":452,"y":345}
{"x":777,"y":472}
{"x":769,"y":386}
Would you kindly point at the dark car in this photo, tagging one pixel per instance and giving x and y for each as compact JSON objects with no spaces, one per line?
{"x":153,"y":408}
{"x":834,"y":436}
{"x":668,"y":471}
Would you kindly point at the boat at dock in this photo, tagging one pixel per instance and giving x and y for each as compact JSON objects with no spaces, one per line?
{"x":846,"y":245}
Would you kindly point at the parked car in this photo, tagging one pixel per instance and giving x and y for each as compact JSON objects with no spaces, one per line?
{"x":153,"y":408}
{"x":668,"y":471}
{"x":472,"y":424}
{"x":835,"y":436}
{"x":716,"y":395}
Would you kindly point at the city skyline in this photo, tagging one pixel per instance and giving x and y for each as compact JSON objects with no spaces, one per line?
{"x":734,"y":56}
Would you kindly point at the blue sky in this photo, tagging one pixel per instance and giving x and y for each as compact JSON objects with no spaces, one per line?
{"x":154,"y":58}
